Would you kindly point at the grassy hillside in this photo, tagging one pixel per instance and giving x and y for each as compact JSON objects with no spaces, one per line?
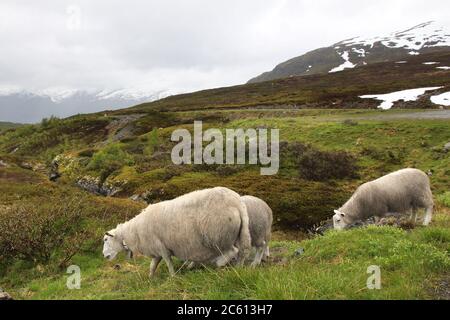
{"x":106,"y":167}
{"x":72,"y":221}
{"x":414,"y":265}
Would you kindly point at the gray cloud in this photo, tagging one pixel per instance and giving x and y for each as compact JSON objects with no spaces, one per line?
{"x":180,"y":45}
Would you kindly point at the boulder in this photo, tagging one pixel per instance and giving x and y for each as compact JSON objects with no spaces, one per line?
{"x":447,"y":147}
{"x":5,"y":295}
{"x":93,"y":185}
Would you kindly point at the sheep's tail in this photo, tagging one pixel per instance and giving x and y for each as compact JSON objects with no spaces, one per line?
{"x":244,"y":242}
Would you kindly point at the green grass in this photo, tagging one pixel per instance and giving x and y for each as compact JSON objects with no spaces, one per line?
{"x":333,"y":266}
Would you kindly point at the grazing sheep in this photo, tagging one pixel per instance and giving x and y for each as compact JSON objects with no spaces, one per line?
{"x":260,"y":222}
{"x":398,"y":192}
{"x":202,"y":226}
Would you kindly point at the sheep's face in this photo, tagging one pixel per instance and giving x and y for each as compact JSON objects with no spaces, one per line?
{"x":111,"y":246}
{"x":339,"y":220}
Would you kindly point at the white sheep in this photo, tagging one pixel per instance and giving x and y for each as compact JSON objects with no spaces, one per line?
{"x":203,"y":226}
{"x":260,"y":222}
{"x":398,"y":192}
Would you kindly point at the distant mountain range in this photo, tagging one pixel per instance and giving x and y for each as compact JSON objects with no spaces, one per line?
{"x":424,"y":38}
{"x":27,"y":107}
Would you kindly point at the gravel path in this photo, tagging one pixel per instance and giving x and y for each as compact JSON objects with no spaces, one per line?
{"x":430,"y":114}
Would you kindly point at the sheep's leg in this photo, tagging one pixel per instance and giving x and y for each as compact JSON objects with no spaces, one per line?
{"x":414,"y":215}
{"x":258,"y":256}
{"x":168,"y":260}
{"x":428,"y":215}
{"x":153,"y":265}
{"x":225,"y":258}
{"x":266,"y":253}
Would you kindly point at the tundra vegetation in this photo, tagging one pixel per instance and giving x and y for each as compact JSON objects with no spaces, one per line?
{"x":46,"y":226}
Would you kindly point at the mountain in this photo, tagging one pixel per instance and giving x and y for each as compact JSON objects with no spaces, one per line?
{"x":336,"y":90}
{"x":424,"y":38}
{"x":28,"y":106}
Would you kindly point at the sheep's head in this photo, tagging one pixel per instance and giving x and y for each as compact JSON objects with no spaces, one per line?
{"x":340,"y":220}
{"x":112,"y":245}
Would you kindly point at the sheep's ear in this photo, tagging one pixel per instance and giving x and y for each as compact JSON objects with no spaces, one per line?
{"x":109,"y":234}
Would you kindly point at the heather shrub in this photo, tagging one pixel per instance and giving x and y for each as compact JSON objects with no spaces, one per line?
{"x":34,"y":233}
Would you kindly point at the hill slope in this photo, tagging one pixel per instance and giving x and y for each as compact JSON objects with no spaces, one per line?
{"x":421,"y":39}
{"x":8,"y":125}
{"x":106,"y":167}
{"x":331,"y":90}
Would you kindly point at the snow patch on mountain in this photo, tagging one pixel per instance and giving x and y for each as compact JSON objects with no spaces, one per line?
{"x":361,"y":52}
{"x":389,"y":99}
{"x":424,"y":35}
{"x":441,"y":99}
{"x":346,"y":65}
{"x":443,"y":68}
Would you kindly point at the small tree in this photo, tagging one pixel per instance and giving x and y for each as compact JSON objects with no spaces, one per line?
{"x":152,"y":142}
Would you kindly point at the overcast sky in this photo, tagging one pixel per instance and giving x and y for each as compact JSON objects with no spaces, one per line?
{"x":180,"y":45}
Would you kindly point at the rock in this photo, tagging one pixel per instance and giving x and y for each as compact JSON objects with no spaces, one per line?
{"x":26,"y":165}
{"x":3,"y":164}
{"x":53,"y":176}
{"x":109,"y":190}
{"x":299,"y":252}
{"x":5,"y":295}
{"x":89,"y":184}
{"x":137,"y":198}
{"x":94,"y":185}
{"x":117,"y":267}
{"x":54,"y":172}
{"x":322,"y":227}
{"x":34,"y":166}
{"x":447,"y":147}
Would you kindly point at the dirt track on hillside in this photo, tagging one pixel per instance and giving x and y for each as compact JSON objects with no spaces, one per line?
{"x":431,"y":114}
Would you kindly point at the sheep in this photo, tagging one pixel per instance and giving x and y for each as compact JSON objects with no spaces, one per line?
{"x":396,"y":193}
{"x":260,"y":222}
{"x":202,"y":226}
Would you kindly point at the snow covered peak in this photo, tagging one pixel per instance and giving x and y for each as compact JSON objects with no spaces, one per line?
{"x":132,"y":94}
{"x":56,"y":94}
{"x":424,"y":35}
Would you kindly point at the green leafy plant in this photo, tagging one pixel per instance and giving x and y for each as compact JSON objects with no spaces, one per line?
{"x":110,"y":159}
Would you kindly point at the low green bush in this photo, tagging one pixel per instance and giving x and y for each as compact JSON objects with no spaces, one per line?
{"x":109,"y":159}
